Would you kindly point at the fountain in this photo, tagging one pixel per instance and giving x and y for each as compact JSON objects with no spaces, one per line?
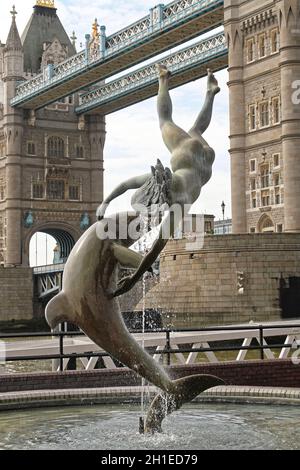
{"x":112,"y":427}
{"x":89,"y":296}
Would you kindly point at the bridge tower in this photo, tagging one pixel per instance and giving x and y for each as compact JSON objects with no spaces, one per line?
{"x":51,"y":160}
{"x":264,"y":66}
{"x":12,"y":136}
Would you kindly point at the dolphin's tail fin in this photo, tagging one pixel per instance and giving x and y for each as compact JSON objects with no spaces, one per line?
{"x":57,"y":310}
{"x":186,"y":389}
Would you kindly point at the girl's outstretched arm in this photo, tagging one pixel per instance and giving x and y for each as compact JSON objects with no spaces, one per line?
{"x":166,"y":232}
{"x":132,"y":183}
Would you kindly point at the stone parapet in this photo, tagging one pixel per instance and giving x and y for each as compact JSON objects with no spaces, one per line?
{"x":232,"y":279}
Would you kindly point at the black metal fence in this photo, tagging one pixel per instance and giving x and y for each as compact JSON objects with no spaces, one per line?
{"x":261,"y":345}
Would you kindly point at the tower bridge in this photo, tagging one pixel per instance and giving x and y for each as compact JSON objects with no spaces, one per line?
{"x":52,"y":137}
{"x":186,"y":65}
{"x":165,"y":27}
{"x":48,"y":280}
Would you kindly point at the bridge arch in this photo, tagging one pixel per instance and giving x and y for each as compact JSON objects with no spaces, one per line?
{"x":64,"y":234}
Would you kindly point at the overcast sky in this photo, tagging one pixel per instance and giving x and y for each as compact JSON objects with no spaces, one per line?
{"x":133,"y":138}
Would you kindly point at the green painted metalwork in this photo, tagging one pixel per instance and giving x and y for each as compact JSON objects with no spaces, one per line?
{"x":203,"y":51}
{"x":161,"y":20}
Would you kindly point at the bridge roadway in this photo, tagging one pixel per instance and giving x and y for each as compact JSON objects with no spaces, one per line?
{"x":165,"y":27}
{"x":186,"y":65}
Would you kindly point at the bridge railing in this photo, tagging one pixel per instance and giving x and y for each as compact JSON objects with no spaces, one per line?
{"x":160,"y":18}
{"x":181,"y":8}
{"x":50,"y":268}
{"x":71,"y":65}
{"x":176,"y":345}
{"x":139,"y":78}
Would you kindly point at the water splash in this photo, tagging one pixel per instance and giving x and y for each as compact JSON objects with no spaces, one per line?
{"x":143,"y":248}
{"x":149,"y":223}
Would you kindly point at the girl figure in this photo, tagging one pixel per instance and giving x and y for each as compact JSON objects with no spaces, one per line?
{"x":191,"y":163}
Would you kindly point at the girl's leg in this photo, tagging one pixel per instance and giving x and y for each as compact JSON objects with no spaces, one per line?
{"x":172,"y":135}
{"x":204,"y":118}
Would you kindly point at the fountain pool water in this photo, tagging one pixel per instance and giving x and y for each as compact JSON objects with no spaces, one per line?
{"x":195,"y":427}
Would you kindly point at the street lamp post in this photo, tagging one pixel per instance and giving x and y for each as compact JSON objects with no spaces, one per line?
{"x":223,"y":212}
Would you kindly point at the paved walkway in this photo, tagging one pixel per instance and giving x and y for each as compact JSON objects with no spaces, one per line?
{"x":50,"y":398}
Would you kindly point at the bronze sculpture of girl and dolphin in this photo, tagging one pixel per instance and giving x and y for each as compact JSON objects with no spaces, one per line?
{"x":89,"y":296}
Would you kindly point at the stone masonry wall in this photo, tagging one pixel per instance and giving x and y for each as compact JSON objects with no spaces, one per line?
{"x":200,"y":288}
{"x":16,"y":294}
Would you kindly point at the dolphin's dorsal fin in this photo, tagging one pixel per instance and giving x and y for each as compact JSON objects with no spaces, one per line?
{"x":58,"y":310}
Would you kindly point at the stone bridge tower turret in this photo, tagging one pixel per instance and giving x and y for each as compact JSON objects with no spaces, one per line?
{"x":264,"y":71}
{"x":13,"y":124}
{"x":289,"y":27}
{"x":51,"y":160}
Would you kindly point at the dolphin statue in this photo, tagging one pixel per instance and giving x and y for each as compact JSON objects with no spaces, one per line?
{"x":86,"y":300}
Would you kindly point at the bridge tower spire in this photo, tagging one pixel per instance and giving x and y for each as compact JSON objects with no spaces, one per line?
{"x":51,"y":180}
{"x":45,"y":3}
{"x":13,"y":131}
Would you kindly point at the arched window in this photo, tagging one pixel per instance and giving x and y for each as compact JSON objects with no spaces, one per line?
{"x":275,"y":41}
{"x":265,"y":176}
{"x":276,"y":110}
{"x":266,"y":225}
{"x":38,"y":190}
{"x":79,"y":151}
{"x":250,"y":50}
{"x":262,"y":45}
{"x":56,"y":189}
{"x":74,"y":192}
{"x":31,"y":148}
{"x":264,"y":114}
{"x":56,"y":147}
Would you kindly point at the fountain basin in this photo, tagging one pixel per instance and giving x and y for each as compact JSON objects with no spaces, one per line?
{"x":115,"y":427}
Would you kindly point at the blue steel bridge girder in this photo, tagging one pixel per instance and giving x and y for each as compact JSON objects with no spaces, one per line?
{"x":186,"y":65}
{"x":165,"y":27}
